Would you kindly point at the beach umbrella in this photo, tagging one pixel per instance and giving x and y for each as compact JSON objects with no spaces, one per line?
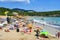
{"x":30,"y":25}
{"x":6,"y":12}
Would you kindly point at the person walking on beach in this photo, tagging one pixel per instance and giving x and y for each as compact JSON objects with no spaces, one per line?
{"x":58,"y":34}
{"x":8,"y":20}
{"x":37,"y":33}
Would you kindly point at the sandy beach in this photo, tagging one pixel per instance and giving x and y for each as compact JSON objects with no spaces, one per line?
{"x":29,"y":19}
{"x":13,"y":35}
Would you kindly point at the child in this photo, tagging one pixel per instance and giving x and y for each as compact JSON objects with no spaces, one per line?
{"x":37,"y":33}
{"x":30,"y":29}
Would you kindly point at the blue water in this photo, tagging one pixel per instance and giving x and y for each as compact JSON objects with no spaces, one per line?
{"x":52,"y":20}
{"x":49,"y":20}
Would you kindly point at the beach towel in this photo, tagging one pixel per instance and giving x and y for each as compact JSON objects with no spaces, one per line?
{"x":44,"y":32}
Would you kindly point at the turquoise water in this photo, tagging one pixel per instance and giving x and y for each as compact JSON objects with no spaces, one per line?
{"x":53,"y":20}
{"x":50,"y":20}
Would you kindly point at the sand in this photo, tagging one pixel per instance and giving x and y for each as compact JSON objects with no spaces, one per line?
{"x":51,"y":30}
{"x":13,"y":35}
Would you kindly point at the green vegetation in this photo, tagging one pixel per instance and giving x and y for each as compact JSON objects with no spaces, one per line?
{"x":29,"y":12}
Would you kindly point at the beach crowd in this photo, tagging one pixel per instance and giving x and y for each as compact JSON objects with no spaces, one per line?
{"x":25,"y":26}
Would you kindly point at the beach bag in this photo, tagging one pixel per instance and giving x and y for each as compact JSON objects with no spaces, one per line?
{"x":17,"y":30}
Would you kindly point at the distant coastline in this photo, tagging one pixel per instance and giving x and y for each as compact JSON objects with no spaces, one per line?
{"x":29,"y":12}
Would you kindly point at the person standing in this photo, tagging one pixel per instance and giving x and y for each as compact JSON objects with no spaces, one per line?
{"x":37,"y":33}
{"x":58,"y":34}
{"x":8,"y":20}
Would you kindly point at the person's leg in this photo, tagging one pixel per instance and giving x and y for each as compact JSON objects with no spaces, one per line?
{"x":37,"y":37}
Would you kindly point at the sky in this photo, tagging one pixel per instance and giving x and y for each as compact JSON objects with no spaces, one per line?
{"x":37,"y":5}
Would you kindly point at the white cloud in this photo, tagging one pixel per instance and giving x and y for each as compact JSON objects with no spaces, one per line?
{"x":28,"y":1}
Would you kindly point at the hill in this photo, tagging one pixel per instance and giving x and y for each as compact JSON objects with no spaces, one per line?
{"x":29,"y":12}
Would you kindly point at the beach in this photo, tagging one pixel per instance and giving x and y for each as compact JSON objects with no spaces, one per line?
{"x":29,"y":19}
{"x":13,"y":35}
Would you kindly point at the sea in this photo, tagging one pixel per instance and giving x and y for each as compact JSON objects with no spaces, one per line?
{"x":49,"y":20}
